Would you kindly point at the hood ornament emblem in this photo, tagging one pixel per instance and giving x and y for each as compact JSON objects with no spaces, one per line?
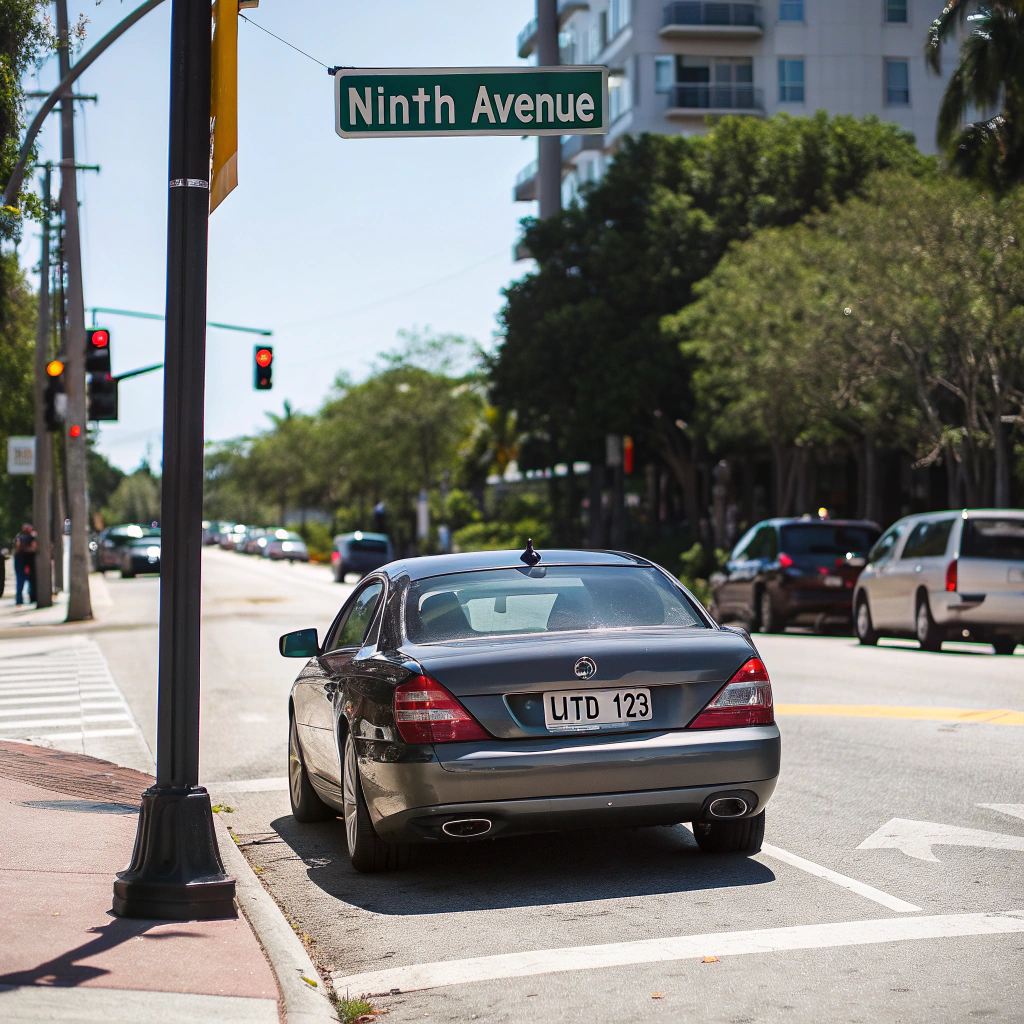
{"x":585,"y":668}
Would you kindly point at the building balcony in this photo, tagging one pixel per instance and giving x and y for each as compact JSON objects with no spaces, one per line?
{"x":526,"y":41}
{"x":705,"y":19}
{"x":698,"y":100}
{"x":525,"y":188}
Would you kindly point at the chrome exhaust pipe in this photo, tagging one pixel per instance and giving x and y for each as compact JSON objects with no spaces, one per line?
{"x":466,"y":828}
{"x":728,"y":807}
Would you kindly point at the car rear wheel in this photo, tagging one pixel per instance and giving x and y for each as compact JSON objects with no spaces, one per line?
{"x":127,"y":571}
{"x":862,"y":623}
{"x":928,"y":634}
{"x":743,"y":836}
{"x":307,"y":807}
{"x":1004,"y":644}
{"x":770,"y":621}
{"x":366,"y":849}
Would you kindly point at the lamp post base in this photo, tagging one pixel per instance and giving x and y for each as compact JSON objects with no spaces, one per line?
{"x":176,"y":872}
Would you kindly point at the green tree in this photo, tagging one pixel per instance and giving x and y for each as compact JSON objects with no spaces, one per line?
{"x":989,"y":76}
{"x":136,"y":500}
{"x":582,"y":351}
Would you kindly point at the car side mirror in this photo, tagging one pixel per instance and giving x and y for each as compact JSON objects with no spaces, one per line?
{"x":302,"y":643}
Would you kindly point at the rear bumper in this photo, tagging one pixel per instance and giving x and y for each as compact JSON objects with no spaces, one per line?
{"x":570,"y":782}
{"x":557,"y":814}
{"x":835,"y":602}
{"x":976,"y":611}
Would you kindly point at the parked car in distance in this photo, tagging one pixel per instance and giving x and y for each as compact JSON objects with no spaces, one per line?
{"x":789,"y":571}
{"x":141,"y":555}
{"x":360,"y":552}
{"x":285,"y":545}
{"x":251,"y":544}
{"x":467,"y":696}
{"x":231,"y":538}
{"x":956,"y":575}
{"x":111,"y":542}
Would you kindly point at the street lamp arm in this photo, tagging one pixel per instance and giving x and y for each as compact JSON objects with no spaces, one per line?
{"x":18,"y":174}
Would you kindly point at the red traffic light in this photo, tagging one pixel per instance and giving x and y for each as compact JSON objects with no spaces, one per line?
{"x":264,"y":357}
{"x":100,"y":339}
{"x":75,"y":431}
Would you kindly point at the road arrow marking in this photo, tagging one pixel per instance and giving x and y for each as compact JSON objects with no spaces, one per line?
{"x":916,"y":838}
{"x":1015,"y":810}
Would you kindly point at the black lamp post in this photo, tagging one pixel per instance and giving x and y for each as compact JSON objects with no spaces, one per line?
{"x":176,"y":870}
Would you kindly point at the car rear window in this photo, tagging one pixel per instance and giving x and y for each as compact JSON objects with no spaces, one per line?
{"x":993,"y":538}
{"x":826,"y":539}
{"x":555,"y":599}
{"x":377,"y":547}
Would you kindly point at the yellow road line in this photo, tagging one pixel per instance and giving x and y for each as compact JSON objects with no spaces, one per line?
{"x":997,"y":717}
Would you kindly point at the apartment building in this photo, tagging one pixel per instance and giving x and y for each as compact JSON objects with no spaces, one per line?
{"x":673,"y":63}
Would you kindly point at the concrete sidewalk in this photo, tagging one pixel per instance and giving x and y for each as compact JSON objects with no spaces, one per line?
{"x":69,"y":823}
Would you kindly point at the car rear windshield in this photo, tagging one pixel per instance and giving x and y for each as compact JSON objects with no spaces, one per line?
{"x":555,"y":599}
{"x":377,"y":547}
{"x":826,"y":539}
{"x":993,"y":538}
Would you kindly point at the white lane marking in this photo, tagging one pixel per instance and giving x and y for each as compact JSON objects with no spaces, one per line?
{"x":89,"y":734}
{"x":916,"y":838}
{"x":249,"y":785}
{"x":683,"y":947}
{"x":860,"y":888}
{"x":58,"y":720}
{"x":1014,"y":810}
{"x":844,"y":881}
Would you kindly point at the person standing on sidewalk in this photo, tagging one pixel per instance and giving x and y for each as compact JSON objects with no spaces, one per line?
{"x":25,"y":547}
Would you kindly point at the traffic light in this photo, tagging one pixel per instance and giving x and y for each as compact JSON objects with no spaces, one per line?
{"x":102,"y":397}
{"x":263,"y":368}
{"x":97,"y":350}
{"x":55,"y":400}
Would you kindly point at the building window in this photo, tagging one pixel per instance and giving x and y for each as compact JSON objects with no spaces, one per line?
{"x":619,"y":97}
{"x":663,"y":73}
{"x":791,"y":80}
{"x":896,"y":11}
{"x":897,"y":83}
{"x":618,"y":16}
{"x":791,"y":10}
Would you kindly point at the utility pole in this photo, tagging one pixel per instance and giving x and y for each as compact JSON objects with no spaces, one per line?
{"x":549,"y":147}
{"x":176,"y":870}
{"x":79,"y":602}
{"x":44,"y":443}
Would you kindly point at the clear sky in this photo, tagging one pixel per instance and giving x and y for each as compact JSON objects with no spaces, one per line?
{"x":334,"y":245}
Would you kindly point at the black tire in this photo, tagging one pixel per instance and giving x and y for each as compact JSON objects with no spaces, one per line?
{"x":307,"y":807}
{"x":339,"y":576}
{"x":744,"y":836}
{"x":862,"y":624}
{"x":1004,"y":644}
{"x":367,"y":851}
{"x":129,"y":573}
{"x":929,"y":636}
{"x":768,"y":621}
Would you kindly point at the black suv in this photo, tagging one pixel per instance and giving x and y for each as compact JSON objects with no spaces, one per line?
{"x":788,"y":571}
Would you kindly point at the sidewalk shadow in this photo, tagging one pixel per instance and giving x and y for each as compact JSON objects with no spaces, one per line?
{"x":521,"y":871}
{"x":64,"y":971}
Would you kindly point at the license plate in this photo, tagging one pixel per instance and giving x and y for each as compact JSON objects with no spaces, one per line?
{"x":833,"y":581}
{"x":587,"y":710}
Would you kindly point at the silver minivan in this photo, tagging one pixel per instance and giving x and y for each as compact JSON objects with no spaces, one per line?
{"x":956,"y":575}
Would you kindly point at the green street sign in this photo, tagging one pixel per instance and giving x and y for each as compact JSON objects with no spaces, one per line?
{"x":421,"y":102}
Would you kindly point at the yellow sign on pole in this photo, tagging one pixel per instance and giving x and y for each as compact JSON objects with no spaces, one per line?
{"x":224,"y":101}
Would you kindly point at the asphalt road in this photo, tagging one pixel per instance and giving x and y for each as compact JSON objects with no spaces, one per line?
{"x":845,"y":917}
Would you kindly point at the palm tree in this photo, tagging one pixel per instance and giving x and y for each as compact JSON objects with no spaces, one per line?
{"x":989,"y":76}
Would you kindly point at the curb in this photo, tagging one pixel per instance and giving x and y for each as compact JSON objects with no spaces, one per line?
{"x":303,"y":1003}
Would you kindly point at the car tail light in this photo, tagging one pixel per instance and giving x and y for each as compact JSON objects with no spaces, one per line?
{"x":335,"y":556}
{"x":951,"y":576}
{"x":745,"y":700}
{"x":785,"y":561}
{"x":425,"y":712}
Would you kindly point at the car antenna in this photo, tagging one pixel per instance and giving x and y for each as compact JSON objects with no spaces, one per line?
{"x":529,"y":556}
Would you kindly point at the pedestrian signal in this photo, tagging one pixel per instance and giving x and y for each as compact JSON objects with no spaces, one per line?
{"x":97,"y":350}
{"x":263,"y":368}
